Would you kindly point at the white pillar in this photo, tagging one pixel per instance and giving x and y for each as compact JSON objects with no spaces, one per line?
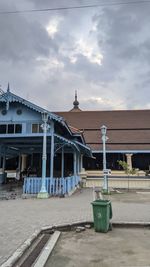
{"x":4,"y":163}
{"x":43,"y":192}
{"x":105,"y":185}
{"x":62,"y":162}
{"x":3,"y":168}
{"x":74,"y":163}
{"x":129,"y":160}
{"x":52,"y":151}
{"x":23,"y":162}
{"x":78,"y":164}
{"x":81,"y":163}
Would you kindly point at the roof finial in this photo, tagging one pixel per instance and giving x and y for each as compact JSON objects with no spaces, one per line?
{"x":76,"y":95}
{"x":76,"y":102}
{"x":7,"y":102}
{"x":8,"y":89}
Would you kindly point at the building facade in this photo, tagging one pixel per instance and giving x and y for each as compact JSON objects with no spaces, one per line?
{"x":21,"y":142}
{"x":128,"y":134}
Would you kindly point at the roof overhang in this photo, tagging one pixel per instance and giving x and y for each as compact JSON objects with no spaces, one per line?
{"x":122,"y":151}
{"x":84,"y":149}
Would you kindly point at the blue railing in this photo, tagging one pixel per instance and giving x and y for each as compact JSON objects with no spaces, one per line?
{"x":54,"y":186}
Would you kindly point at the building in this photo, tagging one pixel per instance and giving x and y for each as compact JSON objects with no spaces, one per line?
{"x":128,"y":132}
{"x":73,"y":142}
{"x":21,"y":145}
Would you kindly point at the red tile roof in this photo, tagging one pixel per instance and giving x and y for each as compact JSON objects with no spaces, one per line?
{"x":127,"y":129}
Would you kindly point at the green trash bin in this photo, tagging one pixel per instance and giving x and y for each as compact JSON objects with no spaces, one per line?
{"x":102,"y":213}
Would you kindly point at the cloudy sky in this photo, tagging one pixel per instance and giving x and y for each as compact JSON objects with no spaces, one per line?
{"x":103,"y":53}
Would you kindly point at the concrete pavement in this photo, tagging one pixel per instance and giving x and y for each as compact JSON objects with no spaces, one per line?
{"x":21,"y":217}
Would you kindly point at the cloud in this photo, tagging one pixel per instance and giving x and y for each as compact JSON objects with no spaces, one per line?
{"x":103,"y":53}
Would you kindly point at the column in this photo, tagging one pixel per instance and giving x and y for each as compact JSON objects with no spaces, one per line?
{"x":62,"y":162}
{"x":74,"y":163}
{"x":52,"y":151}
{"x":43,"y":192}
{"x":23,"y":162}
{"x":18,"y":170}
{"x":78,"y":164}
{"x":129,"y":160}
{"x":81,"y":163}
{"x":4,"y":163}
{"x":3,"y":169}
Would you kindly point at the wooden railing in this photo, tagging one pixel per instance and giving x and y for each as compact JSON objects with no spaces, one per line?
{"x":54,"y":186}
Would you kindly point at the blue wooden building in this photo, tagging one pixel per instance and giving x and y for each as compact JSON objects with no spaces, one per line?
{"x":21,"y":147}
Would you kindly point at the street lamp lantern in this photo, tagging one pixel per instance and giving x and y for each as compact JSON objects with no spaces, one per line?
{"x":104,"y":139}
{"x":103,"y":130}
{"x":45,"y":116}
{"x":43,"y":192}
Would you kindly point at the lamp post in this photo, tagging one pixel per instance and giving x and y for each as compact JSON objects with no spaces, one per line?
{"x":43,"y":192}
{"x":104,"y":139}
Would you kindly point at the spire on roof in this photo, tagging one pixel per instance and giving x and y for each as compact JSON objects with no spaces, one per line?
{"x":7,"y":102}
{"x":76,"y":103}
{"x":8,"y":89}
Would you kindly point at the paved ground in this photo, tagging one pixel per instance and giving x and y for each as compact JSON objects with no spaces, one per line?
{"x":120,"y":247}
{"x":21,"y":217}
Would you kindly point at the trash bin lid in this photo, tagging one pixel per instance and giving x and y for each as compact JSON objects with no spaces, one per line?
{"x":101,"y":202}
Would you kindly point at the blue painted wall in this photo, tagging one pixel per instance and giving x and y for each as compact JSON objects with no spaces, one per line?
{"x":26,"y":118}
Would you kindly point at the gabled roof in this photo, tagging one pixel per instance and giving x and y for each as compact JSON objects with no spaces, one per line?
{"x":77,"y":133}
{"x":9,"y":97}
{"x":127,"y":129}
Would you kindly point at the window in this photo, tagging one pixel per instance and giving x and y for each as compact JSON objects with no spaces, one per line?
{"x":18,"y":128}
{"x":36,"y":128}
{"x":2,"y":129}
{"x":10,"y":128}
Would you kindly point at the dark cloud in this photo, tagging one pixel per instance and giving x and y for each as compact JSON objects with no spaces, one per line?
{"x":22,"y":38}
{"x":47,"y":67}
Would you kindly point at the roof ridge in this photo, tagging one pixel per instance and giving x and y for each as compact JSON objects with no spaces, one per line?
{"x":27,"y":103}
{"x":114,"y":110}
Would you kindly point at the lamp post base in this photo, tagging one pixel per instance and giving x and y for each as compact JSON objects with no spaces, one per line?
{"x":43,"y":195}
{"x":106,"y":192}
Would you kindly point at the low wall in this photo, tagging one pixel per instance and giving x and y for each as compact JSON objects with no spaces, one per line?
{"x":124,"y":182}
{"x":121,"y":173}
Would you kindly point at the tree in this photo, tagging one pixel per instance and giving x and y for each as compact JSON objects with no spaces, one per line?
{"x":126,"y":168}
